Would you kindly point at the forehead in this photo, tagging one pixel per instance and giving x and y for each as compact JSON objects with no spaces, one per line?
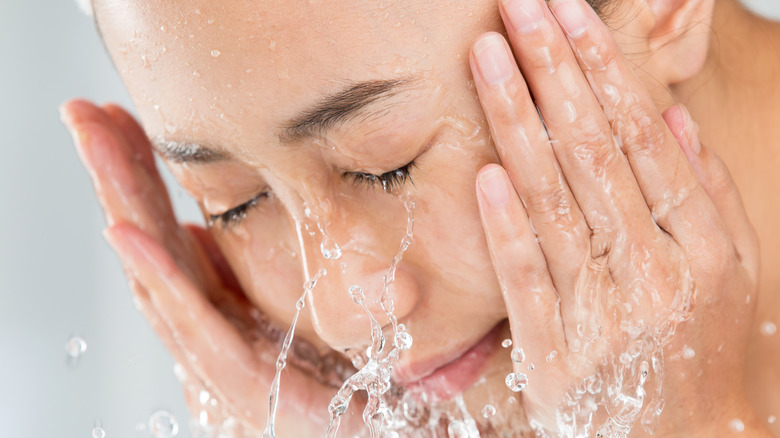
{"x":202,"y":66}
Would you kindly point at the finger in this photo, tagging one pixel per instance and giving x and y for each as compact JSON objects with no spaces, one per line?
{"x":596,"y":170}
{"x":525,"y":152}
{"x":225,"y":273}
{"x":214,"y":347}
{"x":531,"y":300}
{"x":667,"y":182}
{"x":136,"y":138}
{"x":716,"y":180}
{"x":127,"y":191}
{"x":194,"y":323}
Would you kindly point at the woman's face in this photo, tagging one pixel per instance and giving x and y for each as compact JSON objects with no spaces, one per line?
{"x":293,"y":104}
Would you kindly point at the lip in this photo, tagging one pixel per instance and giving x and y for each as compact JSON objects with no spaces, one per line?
{"x":445,"y":376}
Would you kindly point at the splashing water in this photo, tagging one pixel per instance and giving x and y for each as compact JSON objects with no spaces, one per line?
{"x":619,"y":383}
{"x":281,"y":361}
{"x":518,"y":355}
{"x":374,"y":376}
{"x":516,"y":381}
{"x":488,"y":411}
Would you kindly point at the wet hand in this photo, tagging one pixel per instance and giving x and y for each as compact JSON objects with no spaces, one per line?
{"x":605,"y":224}
{"x":185,"y":288}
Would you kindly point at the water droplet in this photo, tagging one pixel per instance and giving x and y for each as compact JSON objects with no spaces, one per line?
{"x":518,"y":355}
{"x":771,"y":419}
{"x":162,"y":424}
{"x":330,"y":250}
{"x":98,"y":432}
{"x":736,"y":425}
{"x":75,"y":347}
{"x":403,"y":340}
{"x":516,"y":381}
{"x":356,"y":293}
{"x":179,"y":372}
{"x":551,"y":356}
{"x":768,"y":328}
{"x":593,"y":385}
{"x":457,"y":429}
{"x":210,"y":21}
{"x":530,"y":367}
{"x":506,"y":343}
{"x":688,"y":352}
{"x":488,"y":411}
{"x":215,"y":53}
{"x":204,"y":397}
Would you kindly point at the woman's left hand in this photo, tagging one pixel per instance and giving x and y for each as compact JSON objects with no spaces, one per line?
{"x":604,"y":224}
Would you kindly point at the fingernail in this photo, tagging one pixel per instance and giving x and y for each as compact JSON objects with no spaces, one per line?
{"x":493,"y":59}
{"x":524,"y":15}
{"x":494,"y":187}
{"x":571,"y":15}
{"x":65,"y":116}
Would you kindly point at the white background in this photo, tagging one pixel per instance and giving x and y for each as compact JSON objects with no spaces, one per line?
{"x":58,"y":277}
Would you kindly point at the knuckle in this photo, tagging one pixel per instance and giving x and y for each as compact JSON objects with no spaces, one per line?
{"x":597,"y":55}
{"x":551,"y":203}
{"x":594,"y":149}
{"x":719,"y":178}
{"x":639,"y":134}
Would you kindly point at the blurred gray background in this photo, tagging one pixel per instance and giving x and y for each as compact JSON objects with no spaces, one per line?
{"x":58,"y":277}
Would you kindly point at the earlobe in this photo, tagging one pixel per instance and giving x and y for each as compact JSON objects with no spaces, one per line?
{"x":679,"y":39}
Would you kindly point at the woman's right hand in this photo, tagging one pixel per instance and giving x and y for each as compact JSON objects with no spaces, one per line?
{"x":185,"y":288}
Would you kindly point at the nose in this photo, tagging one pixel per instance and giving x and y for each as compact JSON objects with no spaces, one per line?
{"x":337,"y":311}
{"x":358,"y":256}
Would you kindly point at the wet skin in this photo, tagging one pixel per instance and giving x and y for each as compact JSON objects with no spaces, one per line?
{"x":193,"y":83}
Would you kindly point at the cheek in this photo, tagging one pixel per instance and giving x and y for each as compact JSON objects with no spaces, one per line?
{"x":263,"y":252}
{"x":448,"y":228}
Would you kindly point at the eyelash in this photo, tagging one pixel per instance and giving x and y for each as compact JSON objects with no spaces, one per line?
{"x":238,"y":213}
{"x":388,"y":181}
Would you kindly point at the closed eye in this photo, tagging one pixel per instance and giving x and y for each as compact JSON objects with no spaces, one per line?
{"x":388,"y":180}
{"x":236,"y":214}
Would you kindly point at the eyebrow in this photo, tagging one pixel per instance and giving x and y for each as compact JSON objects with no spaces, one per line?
{"x":330,"y":111}
{"x":186,"y":152}
{"x":340,"y":107}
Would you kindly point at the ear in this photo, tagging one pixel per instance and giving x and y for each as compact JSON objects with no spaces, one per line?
{"x":671,"y":37}
{"x":680,"y":39}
